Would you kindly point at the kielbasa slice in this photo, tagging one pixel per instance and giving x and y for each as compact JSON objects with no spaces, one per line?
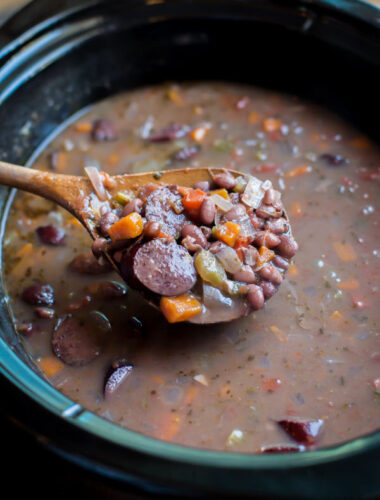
{"x":73,"y":343}
{"x":164,"y":267}
{"x":164,"y":205}
{"x":115,"y":376}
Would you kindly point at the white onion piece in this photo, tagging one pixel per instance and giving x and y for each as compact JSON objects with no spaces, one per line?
{"x":246,"y":228}
{"x":222,"y":203}
{"x":229,"y":259}
{"x":97,"y":183}
{"x":201,"y":379}
{"x":253,"y":193}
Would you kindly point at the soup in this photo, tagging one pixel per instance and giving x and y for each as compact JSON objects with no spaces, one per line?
{"x":302,"y":372}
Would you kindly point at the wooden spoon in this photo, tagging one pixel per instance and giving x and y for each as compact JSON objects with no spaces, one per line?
{"x":76,"y":193}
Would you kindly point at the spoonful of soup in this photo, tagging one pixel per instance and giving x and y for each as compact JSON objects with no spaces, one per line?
{"x":202,"y":245}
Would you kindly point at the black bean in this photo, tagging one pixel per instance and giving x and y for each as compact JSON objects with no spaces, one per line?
{"x":207,"y":211}
{"x":106,"y":221}
{"x":51,"y":235}
{"x":256,"y":297}
{"x":103,"y":130}
{"x":39,"y":295}
{"x":225,"y":180}
{"x":334,"y":160}
{"x":134,"y":205}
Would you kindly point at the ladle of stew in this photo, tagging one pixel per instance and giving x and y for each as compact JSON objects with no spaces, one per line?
{"x":204,"y":245}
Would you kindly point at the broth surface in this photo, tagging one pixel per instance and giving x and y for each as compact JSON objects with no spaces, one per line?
{"x":313,"y":352}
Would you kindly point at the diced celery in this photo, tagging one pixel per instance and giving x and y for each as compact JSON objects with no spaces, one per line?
{"x":210,"y":269}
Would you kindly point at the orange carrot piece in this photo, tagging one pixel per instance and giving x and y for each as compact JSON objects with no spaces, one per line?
{"x":180,"y":308}
{"x":26,"y":249}
{"x":128,"y":227}
{"x":228,"y":232}
{"x":221,"y":192}
{"x":175,"y":97}
{"x":254,"y":117}
{"x":271,"y":124}
{"x":344,"y":251}
{"x":170,"y":428}
{"x":193,"y":199}
{"x":279,"y":334}
{"x":293,"y":271}
{"x":297,"y":209}
{"x":296,"y":172}
{"x":198,"y":134}
{"x":50,"y":365}
{"x":265,"y":255}
{"x":350,"y":284}
{"x":83,"y":127}
{"x":270,"y":384}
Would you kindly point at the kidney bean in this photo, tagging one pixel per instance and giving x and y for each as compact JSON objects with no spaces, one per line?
{"x":256,"y":221}
{"x":256,"y":297}
{"x":51,"y":235}
{"x":106,"y":290}
{"x":270,"y":196}
{"x":271,"y":274}
{"x":334,"y":160}
{"x":203,"y":186}
{"x":85,"y":263}
{"x":266,"y":211}
{"x":151,"y":230}
{"x":207,"y":231}
{"x":185,"y":153}
{"x":39,"y":295}
{"x":44,"y":312}
{"x":207,"y":212}
{"x":103,"y":130}
{"x":193,"y":231}
{"x":27,"y":329}
{"x":106,"y":221}
{"x":245,"y":275}
{"x":250,"y":255}
{"x":266,"y":239}
{"x":216,"y":246}
{"x":169,"y":133}
{"x":116,"y":374}
{"x":277,"y":226}
{"x":225,"y":180}
{"x":99,"y":246}
{"x":134,"y":205}
{"x":237,"y":212}
{"x":268,"y":289}
{"x":288,"y":246}
{"x":280,"y":262}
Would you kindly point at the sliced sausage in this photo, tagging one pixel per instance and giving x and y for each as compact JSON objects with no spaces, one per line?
{"x":73,"y":343}
{"x":165,"y":205}
{"x":164,"y":267}
{"x":115,"y":376}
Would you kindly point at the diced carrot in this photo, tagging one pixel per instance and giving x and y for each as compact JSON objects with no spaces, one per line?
{"x":191,"y":394}
{"x":108,"y":181}
{"x":74,"y":222}
{"x":296,"y":172}
{"x":180,"y":308}
{"x":198,"y":134}
{"x":279,"y":334}
{"x":265,"y":255}
{"x":170,"y":428}
{"x":344,"y":251}
{"x":193,"y":199}
{"x":165,"y":236}
{"x":336,"y":315}
{"x":26,"y":249}
{"x":83,"y":127}
{"x":221,"y":192}
{"x":128,"y":227}
{"x":158,"y":379}
{"x":293,"y":271}
{"x":228,"y":232}
{"x":241,"y":242}
{"x":271,"y":124}
{"x":50,"y":365}
{"x":176,"y":97}
{"x":270,"y":384}
{"x":297,"y":209}
{"x":350,"y":284}
{"x":61,"y":161}
{"x":360,"y":142}
{"x":254,"y":117}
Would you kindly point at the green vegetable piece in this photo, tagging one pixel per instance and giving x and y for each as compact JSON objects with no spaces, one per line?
{"x":123,"y":197}
{"x":210,"y":269}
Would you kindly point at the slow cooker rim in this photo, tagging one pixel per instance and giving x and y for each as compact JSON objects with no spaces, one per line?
{"x":21,"y":375}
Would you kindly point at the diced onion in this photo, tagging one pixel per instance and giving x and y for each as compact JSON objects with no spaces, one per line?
{"x":201,"y":379}
{"x":253,"y":193}
{"x":97,"y":183}
{"x":222,"y":203}
{"x":229,"y":259}
{"x":246,"y":228}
